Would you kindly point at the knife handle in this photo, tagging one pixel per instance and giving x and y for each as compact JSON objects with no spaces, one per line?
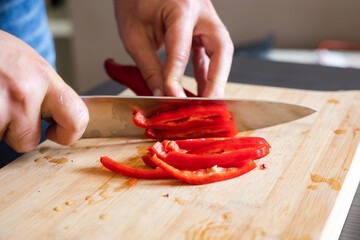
{"x":131,"y":77}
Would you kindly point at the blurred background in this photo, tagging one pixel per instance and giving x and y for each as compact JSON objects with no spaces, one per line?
{"x":289,"y":31}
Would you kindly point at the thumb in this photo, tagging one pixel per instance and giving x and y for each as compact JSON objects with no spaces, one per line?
{"x":68,"y":111}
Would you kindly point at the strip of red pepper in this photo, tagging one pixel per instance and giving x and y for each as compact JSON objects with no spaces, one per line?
{"x":172,"y":146}
{"x":204,"y":176}
{"x":128,"y":171}
{"x":234,"y":158}
{"x":147,"y":160}
{"x":184,"y":117}
{"x":230,"y":145}
{"x":225,"y":129}
{"x":193,"y":143}
{"x":161,"y":151}
{"x":197,"y":143}
{"x":158,"y":149}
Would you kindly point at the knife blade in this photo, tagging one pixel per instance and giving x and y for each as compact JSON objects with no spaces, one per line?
{"x":111,"y":116}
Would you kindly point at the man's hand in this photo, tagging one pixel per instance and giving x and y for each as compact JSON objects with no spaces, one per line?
{"x":29,"y":86}
{"x":184,"y":26}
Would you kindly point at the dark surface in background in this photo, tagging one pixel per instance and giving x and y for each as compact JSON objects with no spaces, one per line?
{"x":289,"y":75}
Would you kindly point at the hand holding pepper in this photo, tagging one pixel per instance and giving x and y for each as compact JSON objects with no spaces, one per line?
{"x":183,"y":26}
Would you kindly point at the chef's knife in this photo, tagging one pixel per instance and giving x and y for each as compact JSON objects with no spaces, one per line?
{"x":111,"y":116}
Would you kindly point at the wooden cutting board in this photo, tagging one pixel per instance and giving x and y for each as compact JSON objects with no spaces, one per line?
{"x":311,"y":175}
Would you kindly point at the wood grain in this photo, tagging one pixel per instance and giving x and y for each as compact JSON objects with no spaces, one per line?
{"x":311,"y":175}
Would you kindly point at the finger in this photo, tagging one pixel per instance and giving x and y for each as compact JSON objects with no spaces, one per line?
{"x":178,"y":38}
{"x":69,"y":113}
{"x":143,"y":52}
{"x":5,"y":119}
{"x":220,"y":50}
{"x":200,"y":62}
{"x":24,"y":131}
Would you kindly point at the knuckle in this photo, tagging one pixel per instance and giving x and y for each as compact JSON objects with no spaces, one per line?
{"x":224,"y":39}
{"x":186,"y":4}
{"x":23,"y":86}
{"x":129,"y":45}
{"x":20,"y":92}
{"x":151,"y":75}
{"x":25,"y":141}
{"x":228,"y":47}
{"x":179,"y":59}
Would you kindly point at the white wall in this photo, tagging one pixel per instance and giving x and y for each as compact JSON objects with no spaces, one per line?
{"x":296,"y":23}
{"x":95,"y":39}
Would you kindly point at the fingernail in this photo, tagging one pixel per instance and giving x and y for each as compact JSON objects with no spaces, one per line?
{"x":181,"y":93}
{"x":157,"y":92}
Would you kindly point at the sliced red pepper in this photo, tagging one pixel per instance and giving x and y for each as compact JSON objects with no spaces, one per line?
{"x":259,"y":153}
{"x":224,"y":152}
{"x":226,"y":129}
{"x":234,"y":158}
{"x":184,"y":117}
{"x":193,"y":143}
{"x":158,"y":149}
{"x":204,"y":176}
{"x":147,"y":160}
{"x":128,"y":171}
{"x":172,"y":146}
{"x":230,"y":145}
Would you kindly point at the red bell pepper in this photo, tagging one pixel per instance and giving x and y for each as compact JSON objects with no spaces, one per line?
{"x":172,"y":146}
{"x":184,"y":117}
{"x":128,"y":171}
{"x":195,"y":143}
{"x":257,"y":154}
{"x":224,"y":153}
{"x":204,"y":176}
{"x":212,"y":160}
{"x":188,"y":122}
{"x":161,"y":151}
{"x":225,"y":129}
{"x":230,"y":145}
{"x":228,"y":159}
{"x":158,"y":149}
{"x":131,"y":77}
{"x":147,"y":160}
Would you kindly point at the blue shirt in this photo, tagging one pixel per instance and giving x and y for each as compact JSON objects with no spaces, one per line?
{"x":27,"y":20}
